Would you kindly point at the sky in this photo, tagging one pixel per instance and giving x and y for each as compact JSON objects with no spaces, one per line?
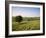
{"x":26,"y":11}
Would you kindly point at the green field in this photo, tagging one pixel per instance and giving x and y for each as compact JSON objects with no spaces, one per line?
{"x":28,"y":23}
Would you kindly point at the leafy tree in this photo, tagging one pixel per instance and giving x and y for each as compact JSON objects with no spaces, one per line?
{"x":18,"y":19}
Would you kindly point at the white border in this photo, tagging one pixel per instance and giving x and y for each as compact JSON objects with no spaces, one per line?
{"x":25,"y":32}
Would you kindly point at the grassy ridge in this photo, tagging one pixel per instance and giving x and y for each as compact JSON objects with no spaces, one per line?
{"x":26,"y":24}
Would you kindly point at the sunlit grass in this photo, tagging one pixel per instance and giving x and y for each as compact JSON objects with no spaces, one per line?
{"x":26,"y":25}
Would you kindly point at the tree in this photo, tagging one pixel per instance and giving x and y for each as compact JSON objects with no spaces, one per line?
{"x":18,"y":19}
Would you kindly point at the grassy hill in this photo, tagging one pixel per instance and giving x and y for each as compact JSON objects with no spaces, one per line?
{"x":28,"y":23}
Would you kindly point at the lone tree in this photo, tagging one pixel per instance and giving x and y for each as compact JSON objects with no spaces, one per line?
{"x":18,"y":19}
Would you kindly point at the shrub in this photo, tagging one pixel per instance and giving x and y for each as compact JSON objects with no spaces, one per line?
{"x":18,"y":19}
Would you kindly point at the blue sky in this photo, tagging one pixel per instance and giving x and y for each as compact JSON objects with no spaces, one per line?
{"x":26,"y":11}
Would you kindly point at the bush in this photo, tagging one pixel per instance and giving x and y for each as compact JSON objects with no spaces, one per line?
{"x":18,"y":19}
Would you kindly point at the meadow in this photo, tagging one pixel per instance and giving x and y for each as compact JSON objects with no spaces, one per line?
{"x":28,"y":23}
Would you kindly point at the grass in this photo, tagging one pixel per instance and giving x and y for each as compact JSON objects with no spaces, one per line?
{"x":26,"y":25}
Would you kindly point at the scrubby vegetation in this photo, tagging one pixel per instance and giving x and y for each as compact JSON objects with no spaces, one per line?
{"x":28,"y":23}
